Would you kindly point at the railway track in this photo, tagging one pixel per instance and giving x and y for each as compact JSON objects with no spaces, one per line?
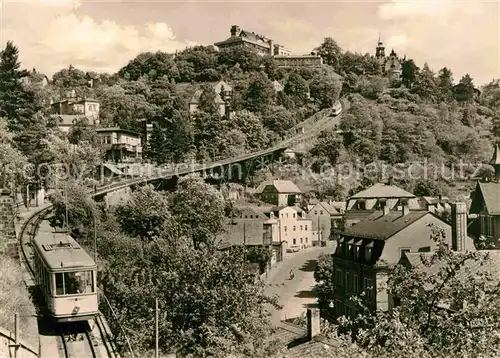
{"x":86,"y":339}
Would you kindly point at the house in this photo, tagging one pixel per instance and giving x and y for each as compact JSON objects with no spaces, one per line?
{"x":279,"y":192}
{"x":305,"y":342}
{"x":35,"y":78}
{"x":66,"y":122}
{"x":460,"y":92}
{"x":324,"y":217}
{"x":366,"y":202}
{"x":223,"y":93}
{"x":486,"y":205}
{"x":369,"y":249}
{"x":293,"y":227}
{"x":121,"y":145}
{"x":87,"y":107}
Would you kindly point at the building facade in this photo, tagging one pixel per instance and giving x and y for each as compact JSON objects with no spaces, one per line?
{"x":486,"y":205}
{"x":324,"y":218}
{"x":121,"y":145}
{"x":279,"y":192}
{"x":223,"y":93}
{"x":391,"y":65}
{"x":369,"y":250}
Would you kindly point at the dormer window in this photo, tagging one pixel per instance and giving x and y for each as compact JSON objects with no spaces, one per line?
{"x":368,"y":251}
{"x":357,"y":249}
{"x":349,"y":247}
{"x":361,"y":205}
{"x":382,"y":203}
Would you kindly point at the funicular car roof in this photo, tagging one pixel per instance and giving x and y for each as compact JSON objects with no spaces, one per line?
{"x":61,"y":252}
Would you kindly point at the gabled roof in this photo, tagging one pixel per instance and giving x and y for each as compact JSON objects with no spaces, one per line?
{"x":282,"y":186}
{"x":197,"y":94}
{"x":490,"y":193}
{"x":490,"y":264}
{"x":381,"y":190}
{"x":327,"y":207}
{"x":380,"y":227}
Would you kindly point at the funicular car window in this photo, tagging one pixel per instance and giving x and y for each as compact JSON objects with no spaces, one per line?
{"x":72,"y":283}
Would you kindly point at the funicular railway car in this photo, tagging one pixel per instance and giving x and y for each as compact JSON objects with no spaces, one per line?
{"x":337,"y":108}
{"x":67,"y":277}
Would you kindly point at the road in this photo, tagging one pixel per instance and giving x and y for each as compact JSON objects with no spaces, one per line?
{"x":295,"y":295}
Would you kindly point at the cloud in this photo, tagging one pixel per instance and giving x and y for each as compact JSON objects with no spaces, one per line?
{"x":408,"y":8}
{"x":54,"y":34}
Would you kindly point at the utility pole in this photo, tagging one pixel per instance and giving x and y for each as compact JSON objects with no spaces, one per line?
{"x":156,"y":329}
{"x":66,"y":204}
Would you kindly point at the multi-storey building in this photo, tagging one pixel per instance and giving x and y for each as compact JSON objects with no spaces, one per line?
{"x":265,"y":46}
{"x":223,"y":93}
{"x":368,"y":250}
{"x":121,"y":145}
{"x":324,"y":218}
{"x":72,"y":110}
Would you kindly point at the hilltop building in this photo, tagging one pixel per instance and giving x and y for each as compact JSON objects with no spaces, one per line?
{"x":121,"y":145}
{"x":267,"y":47}
{"x":391,"y":65}
{"x":35,"y":78}
{"x":72,"y":110}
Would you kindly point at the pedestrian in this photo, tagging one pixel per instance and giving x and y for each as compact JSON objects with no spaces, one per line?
{"x":292,"y":275}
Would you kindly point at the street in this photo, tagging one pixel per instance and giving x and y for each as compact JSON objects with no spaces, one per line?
{"x":294,"y":295}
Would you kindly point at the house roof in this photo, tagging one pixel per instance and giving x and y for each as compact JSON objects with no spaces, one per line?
{"x":282,"y":186}
{"x":491,"y":196}
{"x":68,"y":119}
{"x":116,"y":129}
{"x":196,"y":98}
{"x":380,"y":227}
{"x":381,"y":190}
{"x":246,"y":35}
{"x":327,"y":207}
{"x":278,"y":87}
{"x":490,"y":264}
{"x":295,"y":339}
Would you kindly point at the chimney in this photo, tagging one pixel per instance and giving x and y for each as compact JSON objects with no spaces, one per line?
{"x":271,"y":47}
{"x":458,"y":226}
{"x":313,"y":323}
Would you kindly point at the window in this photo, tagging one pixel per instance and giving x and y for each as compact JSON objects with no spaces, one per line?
{"x":402,"y":252}
{"x":294,"y":241}
{"x":347,"y":282}
{"x":305,"y":227}
{"x":306,"y":240}
{"x":321,"y":212}
{"x":284,"y":228}
{"x":300,"y":227}
{"x":294,"y":228}
{"x":315,"y":212}
{"x":368,"y":253}
{"x":338,"y":277}
{"x":71,"y":283}
{"x":361,"y":205}
{"x":355,"y":287}
{"x":293,"y":215}
{"x":367,"y":287}
{"x":338,"y":308}
{"x":246,"y":217}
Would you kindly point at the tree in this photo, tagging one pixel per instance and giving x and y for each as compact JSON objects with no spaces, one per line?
{"x":330,"y":51}
{"x":409,"y":72}
{"x":327,"y":149}
{"x":144,"y":215}
{"x":247,"y":59}
{"x":251,"y":126}
{"x":325,"y":90}
{"x":297,"y":88}
{"x":426,"y":188}
{"x":178,"y":137}
{"x":279,"y":120}
{"x":70,"y":77}
{"x":15,"y":168}
{"x":154,"y":65}
{"x":445,"y":83}
{"x":194,"y":62}
{"x":210,"y":303}
{"x":324,"y":277}
{"x":17,"y":104}
{"x":426,"y":86}
{"x":260,"y":93}
{"x":198,"y":208}
{"x":82,"y":209}
{"x":157,"y":145}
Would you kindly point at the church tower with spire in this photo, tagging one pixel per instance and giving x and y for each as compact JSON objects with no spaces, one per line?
{"x":380,"y":51}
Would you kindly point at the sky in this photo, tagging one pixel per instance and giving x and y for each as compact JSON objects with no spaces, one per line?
{"x":463,"y":35}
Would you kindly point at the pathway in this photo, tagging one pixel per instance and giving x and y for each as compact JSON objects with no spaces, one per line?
{"x":294,"y":295}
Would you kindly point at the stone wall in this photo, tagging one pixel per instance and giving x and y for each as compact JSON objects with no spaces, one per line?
{"x":8,"y":242}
